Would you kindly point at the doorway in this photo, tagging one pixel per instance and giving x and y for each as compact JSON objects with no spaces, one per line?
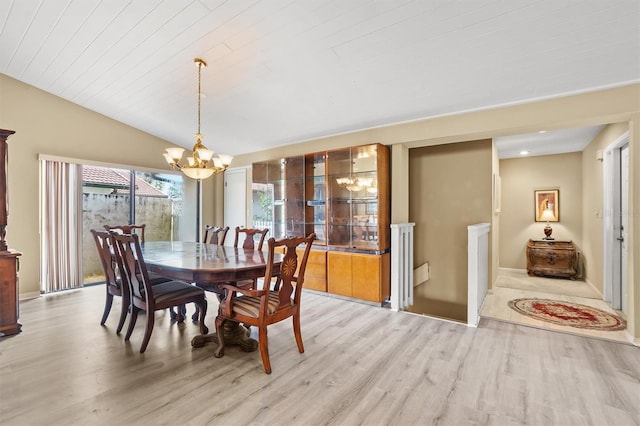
{"x":616,"y":218}
{"x":235,"y":198}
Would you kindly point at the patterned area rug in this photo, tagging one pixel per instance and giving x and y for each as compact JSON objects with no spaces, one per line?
{"x":567,"y":313}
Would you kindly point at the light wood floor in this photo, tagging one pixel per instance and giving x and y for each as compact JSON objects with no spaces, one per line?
{"x":362,"y":365}
{"x":514,"y":284}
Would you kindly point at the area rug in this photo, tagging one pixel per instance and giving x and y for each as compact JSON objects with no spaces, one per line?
{"x":567,"y":313}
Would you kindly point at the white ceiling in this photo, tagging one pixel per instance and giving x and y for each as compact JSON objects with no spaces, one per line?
{"x":282,"y":71}
{"x":546,"y":142}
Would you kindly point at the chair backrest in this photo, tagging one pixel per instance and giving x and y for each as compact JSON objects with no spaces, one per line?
{"x":128,"y":229}
{"x":249,"y":239}
{"x":291,"y":269}
{"x":129,"y":258}
{"x":106,"y":250}
{"x":215,"y":234}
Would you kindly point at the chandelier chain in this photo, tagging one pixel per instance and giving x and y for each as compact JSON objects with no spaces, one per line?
{"x":199,"y":91}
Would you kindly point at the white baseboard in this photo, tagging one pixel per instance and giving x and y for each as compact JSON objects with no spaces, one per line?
{"x":594,"y":288}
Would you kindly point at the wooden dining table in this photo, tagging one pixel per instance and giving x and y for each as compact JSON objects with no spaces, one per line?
{"x":208,"y":265}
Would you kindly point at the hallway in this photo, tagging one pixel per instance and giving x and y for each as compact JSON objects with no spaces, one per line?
{"x":513,"y":284}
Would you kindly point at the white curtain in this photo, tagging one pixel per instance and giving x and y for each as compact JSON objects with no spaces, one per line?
{"x":61,"y":226}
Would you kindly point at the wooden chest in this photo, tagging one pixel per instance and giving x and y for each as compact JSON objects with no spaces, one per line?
{"x":552,"y":258}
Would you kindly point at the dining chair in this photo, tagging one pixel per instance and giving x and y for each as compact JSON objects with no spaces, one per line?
{"x":113,"y":277}
{"x":128,"y":229}
{"x":249,"y":239}
{"x":250,"y":235}
{"x":266,"y":306}
{"x":215,"y":234}
{"x":155,"y":278}
{"x":113,"y":283}
{"x":144,"y":296}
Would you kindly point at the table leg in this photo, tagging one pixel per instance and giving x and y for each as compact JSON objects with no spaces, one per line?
{"x":234,"y":334}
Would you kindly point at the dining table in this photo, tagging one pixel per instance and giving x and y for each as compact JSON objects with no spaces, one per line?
{"x":207,"y":265}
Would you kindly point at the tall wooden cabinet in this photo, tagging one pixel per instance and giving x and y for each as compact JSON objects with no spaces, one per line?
{"x":9,"y":308}
{"x":343,"y":196}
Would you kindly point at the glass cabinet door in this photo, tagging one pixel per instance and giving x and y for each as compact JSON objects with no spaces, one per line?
{"x":268,"y":193}
{"x":336,"y":194}
{"x":315,"y":210}
{"x":364,"y":197}
{"x":352,"y":180}
{"x":339,"y":198}
{"x":294,"y":205}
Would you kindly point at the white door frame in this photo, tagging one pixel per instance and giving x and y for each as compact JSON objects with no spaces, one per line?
{"x":624,"y":229}
{"x":611,"y":221}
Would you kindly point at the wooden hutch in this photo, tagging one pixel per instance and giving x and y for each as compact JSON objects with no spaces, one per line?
{"x":9,"y":262}
{"x":343,"y":196}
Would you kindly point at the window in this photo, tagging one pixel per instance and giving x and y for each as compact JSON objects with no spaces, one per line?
{"x":107,"y":200}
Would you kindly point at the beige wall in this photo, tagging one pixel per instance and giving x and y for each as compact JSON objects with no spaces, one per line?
{"x":450,"y":189}
{"x":520,"y":178}
{"x":47,"y":124}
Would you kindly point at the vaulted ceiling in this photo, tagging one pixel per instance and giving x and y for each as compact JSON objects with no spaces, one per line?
{"x":282,"y":71}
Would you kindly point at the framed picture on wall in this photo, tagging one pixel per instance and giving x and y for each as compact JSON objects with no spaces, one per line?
{"x":547,"y":205}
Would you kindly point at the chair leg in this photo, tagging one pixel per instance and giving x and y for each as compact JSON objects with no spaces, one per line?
{"x":132,"y":322}
{"x":264,"y":348}
{"x":202,"y":309}
{"x":296,"y":331}
{"x":195,"y":315}
{"x":107,"y":307}
{"x":151,"y":316}
{"x":123,"y":315}
{"x":179,"y":314}
{"x":219,"y":353}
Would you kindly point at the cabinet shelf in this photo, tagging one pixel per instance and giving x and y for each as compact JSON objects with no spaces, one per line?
{"x":355,"y":200}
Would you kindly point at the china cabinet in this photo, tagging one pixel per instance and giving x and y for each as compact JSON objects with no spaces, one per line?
{"x":343,"y":196}
{"x":9,"y":259}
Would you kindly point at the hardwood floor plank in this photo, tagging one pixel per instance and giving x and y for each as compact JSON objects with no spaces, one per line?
{"x":362,"y":365}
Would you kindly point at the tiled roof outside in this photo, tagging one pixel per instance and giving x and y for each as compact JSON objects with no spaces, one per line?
{"x":118,"y":179}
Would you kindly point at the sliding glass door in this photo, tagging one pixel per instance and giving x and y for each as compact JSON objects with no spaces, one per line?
{"x":76,"y":198}
{"x":119,"y":197}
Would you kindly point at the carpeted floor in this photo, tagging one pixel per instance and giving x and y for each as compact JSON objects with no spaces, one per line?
{"x":521,"y":281}
{"x":517,"y":284}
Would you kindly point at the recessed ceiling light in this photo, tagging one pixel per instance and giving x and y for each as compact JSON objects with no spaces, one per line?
{"x":542,"y":131}
{"x":524,"y":152}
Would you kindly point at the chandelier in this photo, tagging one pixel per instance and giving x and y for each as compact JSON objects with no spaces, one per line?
{"x":202,"y":164}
